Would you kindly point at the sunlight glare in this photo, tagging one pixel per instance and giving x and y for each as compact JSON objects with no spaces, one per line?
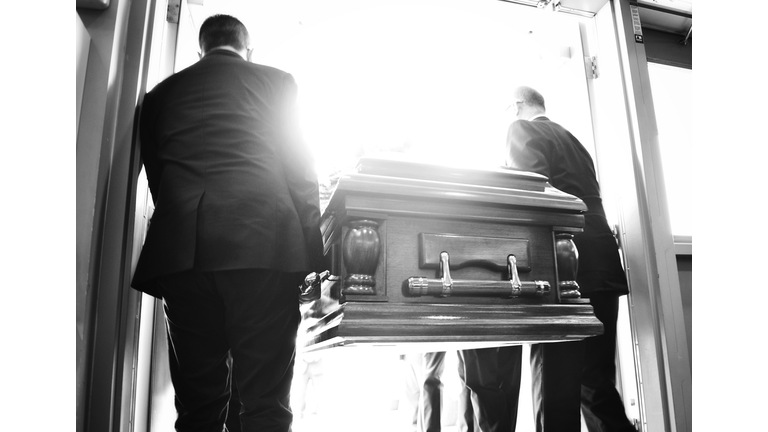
{"x":432,"y":82}
{"x":428,"y":78}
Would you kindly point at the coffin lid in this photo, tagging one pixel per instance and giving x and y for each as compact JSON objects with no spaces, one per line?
{"x":400,"y":176}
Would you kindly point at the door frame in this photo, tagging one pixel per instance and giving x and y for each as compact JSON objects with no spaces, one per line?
{"x":633,"y":186}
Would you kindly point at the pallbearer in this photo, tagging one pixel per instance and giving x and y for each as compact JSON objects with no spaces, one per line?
{"x":537,"y":144}
{"x":234,"y":232}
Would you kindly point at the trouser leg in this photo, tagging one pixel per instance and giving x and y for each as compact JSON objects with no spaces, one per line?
{"x":252,"y":315}
{"x":600,"y":401}
{"x":262,"y":320}
{"x":197,"y":351}
{"x":433,"y":364}
{"x":510,"y":359}
{"x":493,"y":377}
{"x":465,"y":421}
{"x":556,"y":386}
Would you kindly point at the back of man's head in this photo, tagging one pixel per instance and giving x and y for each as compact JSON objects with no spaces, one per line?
{"x":223,"y":30}
{"x":530,"y":97}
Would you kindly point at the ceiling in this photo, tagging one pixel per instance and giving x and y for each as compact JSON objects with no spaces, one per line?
{"x":672,"y":16}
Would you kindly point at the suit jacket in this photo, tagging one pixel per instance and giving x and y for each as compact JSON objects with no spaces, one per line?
{"x":545,"y":147}
{"x":232,"y":180}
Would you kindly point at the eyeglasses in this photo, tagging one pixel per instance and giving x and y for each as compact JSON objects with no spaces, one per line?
{"x":513,"y":104}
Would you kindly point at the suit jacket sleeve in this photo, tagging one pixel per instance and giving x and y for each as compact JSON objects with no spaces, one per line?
{"x":526,"y":149}
{"x":301,"y":175}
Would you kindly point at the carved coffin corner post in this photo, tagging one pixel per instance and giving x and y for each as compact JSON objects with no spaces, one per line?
{"x":567,"y":265}
{"x":360,"y":249}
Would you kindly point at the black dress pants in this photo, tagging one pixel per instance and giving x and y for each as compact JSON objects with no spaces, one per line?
{"x":600,"y":401}
{"x":556,"y":386}
{"x":430,"y":398}
{"x":492,"y":377}
{"x":465,"y":420}
{"x":251,"y":315}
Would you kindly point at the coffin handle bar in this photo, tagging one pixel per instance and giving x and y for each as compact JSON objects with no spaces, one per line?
{"x":446,"y":286}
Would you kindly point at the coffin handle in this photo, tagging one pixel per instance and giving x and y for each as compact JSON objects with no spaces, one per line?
{"x":446,"y":286}
{"x":445,"y":274}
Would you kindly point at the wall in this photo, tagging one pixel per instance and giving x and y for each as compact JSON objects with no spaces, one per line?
{"x":106,"y":308}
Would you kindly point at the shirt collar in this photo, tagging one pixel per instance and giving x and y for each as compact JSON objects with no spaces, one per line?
{"x":217,"y":51}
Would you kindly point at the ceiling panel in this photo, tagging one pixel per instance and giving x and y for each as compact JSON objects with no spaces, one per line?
{"x":672,"y":16}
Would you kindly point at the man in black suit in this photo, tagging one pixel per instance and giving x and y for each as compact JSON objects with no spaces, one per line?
{"x":234,"y":232}
{"x":565,"y":375}
{"x":537,"y":144}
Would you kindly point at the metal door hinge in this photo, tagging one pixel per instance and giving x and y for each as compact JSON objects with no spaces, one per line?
{"x":592,"y":66}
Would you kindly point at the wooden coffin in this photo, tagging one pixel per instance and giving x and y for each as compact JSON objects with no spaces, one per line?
{"x":436,"y":258}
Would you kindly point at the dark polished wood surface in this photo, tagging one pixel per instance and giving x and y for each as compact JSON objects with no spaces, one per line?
{"x":470,"y":251}
{"x":390,"y":220}
{"x":461,"y":325}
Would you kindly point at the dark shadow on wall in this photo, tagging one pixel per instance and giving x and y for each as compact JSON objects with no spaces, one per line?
{"x":685,"y":272}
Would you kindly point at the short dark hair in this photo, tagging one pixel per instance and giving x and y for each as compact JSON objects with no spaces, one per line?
{"x":530,"y":97}
{"x":220,"y":30}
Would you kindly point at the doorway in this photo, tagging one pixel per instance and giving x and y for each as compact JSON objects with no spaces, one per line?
{"x":428,"y":78}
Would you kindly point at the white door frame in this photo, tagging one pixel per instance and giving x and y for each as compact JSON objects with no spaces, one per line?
{"x":634,"y":191}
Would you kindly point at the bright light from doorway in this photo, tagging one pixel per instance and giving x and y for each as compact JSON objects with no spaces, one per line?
{"x":429,"y":78}
{"x":672,"y":89}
